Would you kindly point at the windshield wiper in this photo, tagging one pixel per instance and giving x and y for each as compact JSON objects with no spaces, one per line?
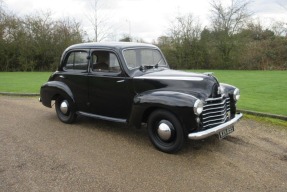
{"x":157,"y":64}
{"x":145,"y":67}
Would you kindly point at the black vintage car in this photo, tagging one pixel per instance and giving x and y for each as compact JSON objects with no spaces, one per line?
{"x":132,"y":83}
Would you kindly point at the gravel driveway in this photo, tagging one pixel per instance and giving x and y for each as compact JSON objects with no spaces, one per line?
{"x":39,"y":153}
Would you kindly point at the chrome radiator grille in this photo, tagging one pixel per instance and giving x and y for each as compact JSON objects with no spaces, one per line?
{"x":215,"y":112}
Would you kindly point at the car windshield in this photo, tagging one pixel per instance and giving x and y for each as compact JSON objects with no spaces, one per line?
{"x":139,"y":58}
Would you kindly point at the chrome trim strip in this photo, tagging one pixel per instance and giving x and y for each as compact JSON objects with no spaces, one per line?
{"x":118,"y":120}
{"x":215,"y":130}
{"x":215,"y":112}
{"x":215,"y":108}
{"x":211,"y":124}
{"x":171,"y":78}
{"x":177,"y":93}
{"x":215,"y":99}
{"x":215,"y":117}
{"x":215,"y":104}
{"x":222,"y":119}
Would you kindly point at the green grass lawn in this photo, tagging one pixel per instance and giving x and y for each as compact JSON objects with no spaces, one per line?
{"x":22,"y":82}
{"x":262,"y":91}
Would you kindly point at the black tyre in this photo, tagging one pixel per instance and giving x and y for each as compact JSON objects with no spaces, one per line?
{"x":65,"y":110}
{"x":165,"y":131}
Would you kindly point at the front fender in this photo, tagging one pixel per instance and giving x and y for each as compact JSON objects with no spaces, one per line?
{"x":228,"y":89}
{"x":52,"y":88}
{"x":168,"y":98}
{"x":181,"y":104}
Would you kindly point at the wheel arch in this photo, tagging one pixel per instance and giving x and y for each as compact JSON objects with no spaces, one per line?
{"x":52,"y":90}
{"x":179,"y":104}
{"x":151,"y":109}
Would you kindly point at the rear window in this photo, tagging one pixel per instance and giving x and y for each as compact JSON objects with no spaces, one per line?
{"x":77,"y":60}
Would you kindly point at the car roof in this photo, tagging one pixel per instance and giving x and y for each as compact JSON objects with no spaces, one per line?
{"x":112,"y":45}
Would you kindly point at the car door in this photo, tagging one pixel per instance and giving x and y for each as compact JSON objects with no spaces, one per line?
{"x":75,"y":76}
{"x":110,"y":90}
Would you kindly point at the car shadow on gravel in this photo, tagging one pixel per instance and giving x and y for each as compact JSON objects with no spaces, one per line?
{"x":140,"y":137}
{"x":131,"y":134}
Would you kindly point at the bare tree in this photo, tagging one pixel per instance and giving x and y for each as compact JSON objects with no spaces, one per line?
{"x":99,"y":21}
{"x":185,"y":28}
{"x":184,"y":35}
{"x":230,"y":19}
{"x":279,"y":28}
{"x":227,"y":21}
{"x":283,"y":24}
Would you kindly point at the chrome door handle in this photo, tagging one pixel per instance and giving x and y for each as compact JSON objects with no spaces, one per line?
{"x":62,"y":76}
{"x":120,"y":81}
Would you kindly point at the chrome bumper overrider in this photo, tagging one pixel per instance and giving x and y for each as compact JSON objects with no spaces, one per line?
{"x":214,"y":130}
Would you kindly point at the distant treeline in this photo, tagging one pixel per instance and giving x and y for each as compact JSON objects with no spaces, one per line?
{"x":35,"y":43}
{"x":233,"y":41}
{"x":253,"y":48}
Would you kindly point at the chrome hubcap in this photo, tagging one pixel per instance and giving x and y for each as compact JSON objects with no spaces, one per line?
{"x":164,"y":131}
{"x":64,"y":107}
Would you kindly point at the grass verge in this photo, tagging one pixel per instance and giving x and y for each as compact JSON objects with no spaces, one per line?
{"x":268,"y":120}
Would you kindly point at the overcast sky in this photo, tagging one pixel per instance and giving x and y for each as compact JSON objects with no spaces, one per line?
{"x":146,"y":19}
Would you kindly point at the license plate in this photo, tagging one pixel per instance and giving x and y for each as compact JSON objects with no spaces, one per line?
{"x":225,"y":132}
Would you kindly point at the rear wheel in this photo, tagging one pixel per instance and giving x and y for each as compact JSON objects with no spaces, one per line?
{"x":165,"y":131}
{"x":65,"y":110}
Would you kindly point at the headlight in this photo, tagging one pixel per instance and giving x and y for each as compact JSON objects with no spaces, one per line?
{"x":236,"y":94}
{"x":198,"y":107}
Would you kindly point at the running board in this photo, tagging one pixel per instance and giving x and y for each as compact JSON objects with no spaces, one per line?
{"x":118,"y":120}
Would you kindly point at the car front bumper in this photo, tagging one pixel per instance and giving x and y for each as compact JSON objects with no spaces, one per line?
{"x":215,"y":130}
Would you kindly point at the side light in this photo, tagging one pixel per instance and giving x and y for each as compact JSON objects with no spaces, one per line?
{"x":198,"y":107}
{"x":220,"y":90}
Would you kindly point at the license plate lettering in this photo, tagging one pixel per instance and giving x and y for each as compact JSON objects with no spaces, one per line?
{"x":225,"y":132}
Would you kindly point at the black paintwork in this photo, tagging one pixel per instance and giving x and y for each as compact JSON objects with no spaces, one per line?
{"x":131,"y":95}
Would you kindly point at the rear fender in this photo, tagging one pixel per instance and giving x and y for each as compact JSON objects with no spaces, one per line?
{"x":53,"y":88}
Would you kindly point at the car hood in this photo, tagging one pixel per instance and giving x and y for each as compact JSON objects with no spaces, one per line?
{"x":199,"y":85}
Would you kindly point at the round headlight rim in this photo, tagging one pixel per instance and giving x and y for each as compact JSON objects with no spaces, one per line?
{"x":198,"y":107}
{"x":236,"y":94}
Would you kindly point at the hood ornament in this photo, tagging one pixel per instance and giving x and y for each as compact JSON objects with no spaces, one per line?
{"x":208,"y":73}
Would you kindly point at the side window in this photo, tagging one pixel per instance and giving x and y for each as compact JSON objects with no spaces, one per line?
{"x":77,"y":61}
{"x":105,"y":61}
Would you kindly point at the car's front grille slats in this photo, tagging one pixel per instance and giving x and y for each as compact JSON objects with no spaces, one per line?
{"x":212,"y":117}
{"x":215,"y":112}
{"x":210,"y":113}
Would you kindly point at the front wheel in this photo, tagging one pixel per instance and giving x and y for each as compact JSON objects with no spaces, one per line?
{"x":165,"y":131}
{"x":65,"y":110}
